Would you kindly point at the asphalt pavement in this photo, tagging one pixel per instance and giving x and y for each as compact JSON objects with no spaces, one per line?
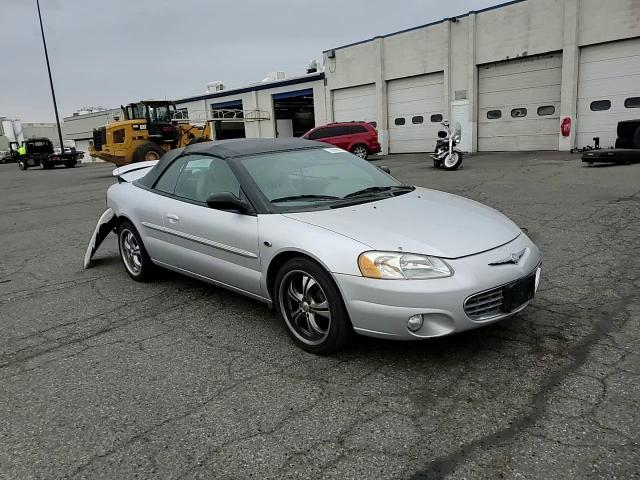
{"x":103,"y":377}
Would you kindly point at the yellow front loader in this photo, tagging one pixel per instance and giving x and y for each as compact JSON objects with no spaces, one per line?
{"x":148,"y":130}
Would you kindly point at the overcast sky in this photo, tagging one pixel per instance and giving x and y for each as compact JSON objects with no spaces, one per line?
{"x":117,"y":51}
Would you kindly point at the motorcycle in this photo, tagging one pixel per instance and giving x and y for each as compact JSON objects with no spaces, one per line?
{"x":446,"y":155}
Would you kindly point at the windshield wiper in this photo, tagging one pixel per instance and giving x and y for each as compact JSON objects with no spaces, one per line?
{"x":369,"y":190}
{"x":293,"y":198}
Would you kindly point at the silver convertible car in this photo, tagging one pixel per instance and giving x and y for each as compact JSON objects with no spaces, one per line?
{"x":335,"y":244}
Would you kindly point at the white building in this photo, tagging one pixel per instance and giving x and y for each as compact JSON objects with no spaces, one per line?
{"x":269,"y":109}
{"x":509,"y":74}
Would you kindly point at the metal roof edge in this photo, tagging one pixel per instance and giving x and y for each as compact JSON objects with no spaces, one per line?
{"x":426,"y":25}
{"x":312,"y":77}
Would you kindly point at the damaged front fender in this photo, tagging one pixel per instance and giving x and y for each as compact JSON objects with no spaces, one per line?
{"x":107,"y":222}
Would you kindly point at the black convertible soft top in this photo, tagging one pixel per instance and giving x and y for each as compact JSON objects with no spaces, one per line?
{"x":230,"y":149}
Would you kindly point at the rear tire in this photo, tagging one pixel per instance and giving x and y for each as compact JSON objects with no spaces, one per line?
{"x":311,"y":306}
{"x":134,"y":256}
{"x":69,"y":164}
{"x":44,"y":164}
{"x":360,"y":151}
{"x":147,"y":151}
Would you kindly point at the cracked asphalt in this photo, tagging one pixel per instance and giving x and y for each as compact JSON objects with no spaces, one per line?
{"x":102,"y":377}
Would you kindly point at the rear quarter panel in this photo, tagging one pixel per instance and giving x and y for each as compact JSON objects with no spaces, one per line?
{"x":140,"y":207}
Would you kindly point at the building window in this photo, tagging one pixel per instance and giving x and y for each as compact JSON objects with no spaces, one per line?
{"x":418,"y":119}
{"x":519,"y":112}
{"x":399,"y":121}
{"x":118,"y":136}
{"x":633,"y":102}
{"x":494,"y":114}
{"x":600,"y":105}
{"x":436,"y":118}
{"x":546,"y":110}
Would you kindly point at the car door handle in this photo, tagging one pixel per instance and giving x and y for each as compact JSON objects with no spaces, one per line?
{"x":173,"y":218}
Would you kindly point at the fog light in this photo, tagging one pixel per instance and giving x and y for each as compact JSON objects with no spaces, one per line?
{"x":415,"y":323}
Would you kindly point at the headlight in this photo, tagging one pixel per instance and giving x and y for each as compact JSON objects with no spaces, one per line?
{"x":397,"y":265}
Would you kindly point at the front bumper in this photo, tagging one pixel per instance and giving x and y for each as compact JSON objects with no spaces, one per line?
{"x":381,"y":308}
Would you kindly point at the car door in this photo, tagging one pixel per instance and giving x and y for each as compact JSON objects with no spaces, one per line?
{"x":340,"y":136}
{"x":214,"y":244}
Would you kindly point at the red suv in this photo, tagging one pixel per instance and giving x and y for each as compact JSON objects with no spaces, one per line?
{"x":359,"y":138}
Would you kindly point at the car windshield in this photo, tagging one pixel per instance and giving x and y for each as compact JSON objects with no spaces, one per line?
{"x":324,"y":177}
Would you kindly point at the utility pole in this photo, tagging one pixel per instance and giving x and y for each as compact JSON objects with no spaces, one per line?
{"x":53,"y":93}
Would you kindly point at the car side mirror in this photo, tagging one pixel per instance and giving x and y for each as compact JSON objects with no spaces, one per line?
{"x":227,"y":201}
{"x":385,"y":169}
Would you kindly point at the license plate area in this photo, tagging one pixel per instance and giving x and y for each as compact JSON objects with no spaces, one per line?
{"x":519,"y":293}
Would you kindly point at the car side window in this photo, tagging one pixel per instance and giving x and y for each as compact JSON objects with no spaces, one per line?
{"x":338,"y":131}
{"x":167,"y":181}
{"x":204,"y":175}
{"x":317,"y":134}
{"x":358,"y":129}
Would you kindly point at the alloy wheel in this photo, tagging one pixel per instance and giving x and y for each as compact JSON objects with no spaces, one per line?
{"x":360,"y":151}
{"x":130,"y":252}
{"x":305,"y":307}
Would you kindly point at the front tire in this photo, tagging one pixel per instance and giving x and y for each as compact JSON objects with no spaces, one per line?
{"x":310,"y":304}
{"x":360,"y":151}
{"x":134,"y":256}
{"x":452,"y":161}
{"x":22,"y":165}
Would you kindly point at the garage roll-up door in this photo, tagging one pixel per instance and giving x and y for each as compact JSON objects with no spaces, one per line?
{"x":608,"y":90}
{"x":519,"y":104}
{"x":355,"y":104}
{"x":416,"y":108}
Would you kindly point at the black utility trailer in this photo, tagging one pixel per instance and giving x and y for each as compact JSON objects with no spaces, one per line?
{"x":627,"y":149}
{"x":626,"y":156}
{"x":40,"y":152}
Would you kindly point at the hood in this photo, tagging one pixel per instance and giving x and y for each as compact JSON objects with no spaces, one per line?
{"x":423,"y":221}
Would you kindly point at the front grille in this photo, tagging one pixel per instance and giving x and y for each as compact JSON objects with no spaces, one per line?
{"x":484,"y":305}
{"x":492,"y":303}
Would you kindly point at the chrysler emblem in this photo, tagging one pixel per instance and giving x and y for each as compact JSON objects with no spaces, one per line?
{"x":513,"y":258}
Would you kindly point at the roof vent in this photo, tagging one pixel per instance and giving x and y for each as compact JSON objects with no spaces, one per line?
{"x":313,"y":67}
{"x":274,"y":76}
{"x":216,"y":86}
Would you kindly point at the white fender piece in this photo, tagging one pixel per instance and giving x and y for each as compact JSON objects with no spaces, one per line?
{"x":106,"y":223}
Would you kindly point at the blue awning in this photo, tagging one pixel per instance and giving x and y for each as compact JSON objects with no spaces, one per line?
{"x":230,"y":104}
{"x":298,"y":93}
